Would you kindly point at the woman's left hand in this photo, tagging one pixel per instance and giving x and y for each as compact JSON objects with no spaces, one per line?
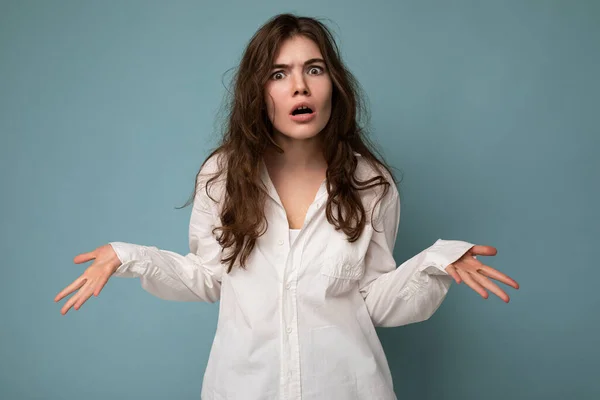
{"x":475,"y":274}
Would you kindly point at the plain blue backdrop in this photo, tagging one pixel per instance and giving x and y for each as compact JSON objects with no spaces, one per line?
{"x":489,"y":110}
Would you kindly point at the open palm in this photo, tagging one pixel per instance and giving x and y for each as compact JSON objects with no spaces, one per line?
{"x":476,"y":274}
{"x":93,"y":278}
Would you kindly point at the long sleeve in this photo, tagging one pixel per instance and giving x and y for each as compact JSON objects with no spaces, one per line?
{"x":171,"y":276}
{"x":413,"y":291}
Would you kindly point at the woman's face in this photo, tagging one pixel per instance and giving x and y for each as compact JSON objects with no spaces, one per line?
{"x":298,"y":76}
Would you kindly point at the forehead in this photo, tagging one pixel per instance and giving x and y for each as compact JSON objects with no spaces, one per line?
{"x":296,"y":50}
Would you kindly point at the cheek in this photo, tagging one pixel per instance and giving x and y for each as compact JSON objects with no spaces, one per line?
{"x":327,"y":94}
{"x":325,"y":91}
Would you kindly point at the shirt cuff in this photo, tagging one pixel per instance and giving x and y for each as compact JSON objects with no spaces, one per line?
{"x":443,"y":253}
{"x":131,"y":257}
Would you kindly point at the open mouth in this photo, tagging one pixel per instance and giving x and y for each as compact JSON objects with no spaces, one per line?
{"x":302,"y":110}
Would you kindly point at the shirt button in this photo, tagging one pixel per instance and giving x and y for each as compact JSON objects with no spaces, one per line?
{"x":280,"y":242}
{"x":289,"y":330}
{"x":287,"y":285}
{"x":347,"y":267}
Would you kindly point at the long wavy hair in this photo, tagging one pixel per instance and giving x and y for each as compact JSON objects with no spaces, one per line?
{"x":248,"y":132}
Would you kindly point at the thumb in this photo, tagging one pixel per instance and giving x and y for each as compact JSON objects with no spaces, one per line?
{"x":84,"y":257}
{"x":483,"y":250}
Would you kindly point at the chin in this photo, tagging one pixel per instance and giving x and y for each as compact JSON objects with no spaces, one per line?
{"x":300,"y":135}
{"x":301,"y":132}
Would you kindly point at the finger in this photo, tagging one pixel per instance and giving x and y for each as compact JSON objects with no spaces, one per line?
{"x":84,"y":294}
{"x":466,"y":277}
{"x":497,"y":275}
{"x":77,"y":283}
{"x":452,"y":271}
{"x":473,"y":266}
{"x":84,"y":257}
{"x":72,"y":300}
{"x":483,"y":250}
{"x":69,"y":303}
{"x":491,"y":286}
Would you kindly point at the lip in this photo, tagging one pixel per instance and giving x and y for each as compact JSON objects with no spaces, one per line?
{"x":303,"y":117}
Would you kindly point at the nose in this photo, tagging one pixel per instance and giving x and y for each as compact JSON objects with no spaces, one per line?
{"x":299,"y":85}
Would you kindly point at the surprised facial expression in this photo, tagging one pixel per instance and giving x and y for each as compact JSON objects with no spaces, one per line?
{"x":298,"y":93}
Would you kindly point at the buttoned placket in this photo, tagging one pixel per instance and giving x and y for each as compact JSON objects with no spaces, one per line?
{"x":290,"y":361}
{"x":290,"y":378}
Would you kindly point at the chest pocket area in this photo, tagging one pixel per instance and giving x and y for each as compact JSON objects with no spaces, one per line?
{"x":343,"y":262}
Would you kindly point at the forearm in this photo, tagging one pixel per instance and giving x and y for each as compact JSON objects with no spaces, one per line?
{"x":169,"y":275}
{"x":415,"y":290}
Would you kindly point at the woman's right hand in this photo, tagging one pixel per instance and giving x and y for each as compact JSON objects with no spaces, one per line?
{"x":93,"y":278}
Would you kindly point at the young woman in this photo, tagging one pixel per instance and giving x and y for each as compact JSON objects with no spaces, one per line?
{"x":293,"y":227}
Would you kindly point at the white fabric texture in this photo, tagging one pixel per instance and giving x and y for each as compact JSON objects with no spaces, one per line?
{"x":293,"y":235}
{"x":299,"y":322}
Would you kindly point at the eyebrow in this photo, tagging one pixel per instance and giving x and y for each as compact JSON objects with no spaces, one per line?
{"x":311,"y":61}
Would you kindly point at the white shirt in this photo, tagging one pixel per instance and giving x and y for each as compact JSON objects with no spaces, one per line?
{"x":293,"y":235}
{"x":299,"y":322}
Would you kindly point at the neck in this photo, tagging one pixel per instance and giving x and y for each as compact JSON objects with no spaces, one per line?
{"x":297,"y":153}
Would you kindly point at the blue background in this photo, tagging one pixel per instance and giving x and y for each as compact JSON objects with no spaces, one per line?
{"x":489,"y":109}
